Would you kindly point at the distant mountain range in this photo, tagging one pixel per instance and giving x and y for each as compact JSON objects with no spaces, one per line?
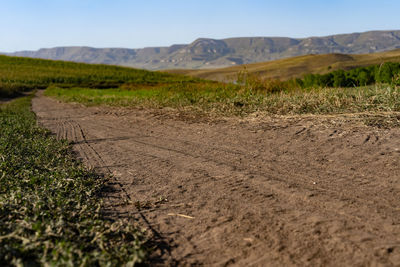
{"x":211,"y":53}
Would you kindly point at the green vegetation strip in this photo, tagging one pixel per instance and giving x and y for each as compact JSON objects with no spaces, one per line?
{"x":236,"y":100}
{"x":388,"y":72}
{"x":385,"y":73}
{"x":49,"y":204}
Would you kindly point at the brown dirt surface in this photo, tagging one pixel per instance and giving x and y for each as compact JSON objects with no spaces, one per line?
{"x":270,"y":191}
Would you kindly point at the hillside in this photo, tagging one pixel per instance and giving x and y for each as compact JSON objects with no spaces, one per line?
{"x":23,"y":74}
{"x":211,"y":53}
{"x":296,"y":67}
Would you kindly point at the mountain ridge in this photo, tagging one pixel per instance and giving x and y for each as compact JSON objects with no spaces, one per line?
{"x":218,"y":53}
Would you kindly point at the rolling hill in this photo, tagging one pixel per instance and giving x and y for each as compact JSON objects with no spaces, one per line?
{"x":18,"y":74}
{"x":212,"y":53}
{"x":295,"y":67}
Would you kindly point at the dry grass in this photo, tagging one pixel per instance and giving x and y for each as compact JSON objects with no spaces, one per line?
{"x":230,"y":100}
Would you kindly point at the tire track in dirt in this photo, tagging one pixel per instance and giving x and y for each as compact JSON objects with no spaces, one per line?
{"x":291,"y":196}
{"x":306,"y":183}
{"x":305,"y":191}
{"x":70,"y":130}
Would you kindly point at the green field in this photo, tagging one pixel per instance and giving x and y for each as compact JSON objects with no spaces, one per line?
{"x":24,"y":74}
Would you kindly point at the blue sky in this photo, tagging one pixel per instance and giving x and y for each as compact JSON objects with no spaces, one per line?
{"x":33,"y":24}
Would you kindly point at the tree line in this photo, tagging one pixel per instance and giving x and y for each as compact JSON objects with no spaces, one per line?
{"x":388,"y":72}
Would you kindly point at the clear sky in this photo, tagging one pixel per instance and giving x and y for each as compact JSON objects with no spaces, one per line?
{"x":33,"y":24}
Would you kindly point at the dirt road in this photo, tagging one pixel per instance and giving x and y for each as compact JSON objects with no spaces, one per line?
{"x":316,"y":191}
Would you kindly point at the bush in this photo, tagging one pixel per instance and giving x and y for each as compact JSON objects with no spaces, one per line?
{"x":385,"y":73}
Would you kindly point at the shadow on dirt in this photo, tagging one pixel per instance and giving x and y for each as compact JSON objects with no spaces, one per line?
{"x":8,"y":98}
{"x":159,"y":246}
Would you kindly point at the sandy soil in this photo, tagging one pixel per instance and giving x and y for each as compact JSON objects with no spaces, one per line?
{"x":306,"y":191}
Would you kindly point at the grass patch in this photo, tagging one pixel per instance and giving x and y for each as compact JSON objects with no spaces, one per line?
{"x":49,"y":204}
{"x":240,"y":100}
{"x":334,"y":100}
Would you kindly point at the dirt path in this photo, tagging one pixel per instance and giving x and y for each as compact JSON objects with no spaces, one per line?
{"x":272,"y":192}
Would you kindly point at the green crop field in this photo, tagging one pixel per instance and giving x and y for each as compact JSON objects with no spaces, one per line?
{"x":24,"y":74}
